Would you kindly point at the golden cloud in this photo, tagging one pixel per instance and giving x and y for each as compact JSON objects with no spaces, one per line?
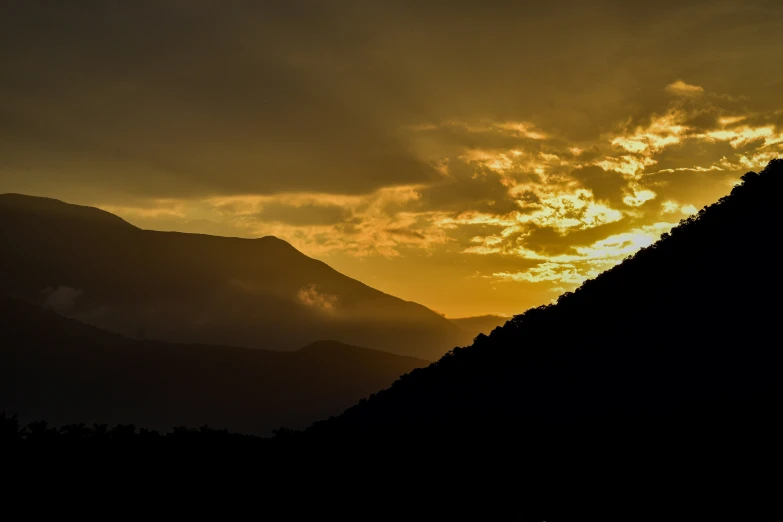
{"x":312,"y":296}
{"x":681,"y":88}
{"x":520,"y":129}
{"x":639,"y":197}
{"x":545,"y":272}
{"x":670,"y":207}
{"x":541,"y":182}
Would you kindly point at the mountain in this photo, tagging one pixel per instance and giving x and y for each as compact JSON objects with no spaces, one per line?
{"x":93,"y":266}
{"x":480,"y":324}
{"x":680,"y":338}
{"x":65,"y":372}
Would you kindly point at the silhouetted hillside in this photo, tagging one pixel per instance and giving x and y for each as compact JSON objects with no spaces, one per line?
{"x":479,"y":324}
{"x":64,"y":372}
{"x":682,"y":334}
{"x":91,"y":265}
{"x":48,"y":209}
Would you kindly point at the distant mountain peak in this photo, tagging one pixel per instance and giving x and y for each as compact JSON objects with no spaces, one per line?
{"x":273,"y":239}
{"x":276,"y":242}
{"x":326,"y":344}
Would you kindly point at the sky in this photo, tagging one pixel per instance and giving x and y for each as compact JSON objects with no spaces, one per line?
{"x":475,"y":157}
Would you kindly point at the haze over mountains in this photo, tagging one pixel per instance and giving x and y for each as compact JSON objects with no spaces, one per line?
{"x":480,"y":324}
{"x":66,"y":372}
{"x":88,"y":264}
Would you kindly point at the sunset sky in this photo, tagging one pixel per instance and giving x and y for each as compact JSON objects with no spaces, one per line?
{"x":475,"y":157}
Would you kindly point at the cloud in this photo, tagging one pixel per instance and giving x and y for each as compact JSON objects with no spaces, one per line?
{"x":382,"y":134}
{"x":671,"y":207}
{"x":545,"y":272}
{"x":515,"y":129}
{"x":549,"y":241}
{"x":61,"y":299}
{"x":526,"y":193}
{"x":304,"y":214}
{"x":313,"y":297}
{"x":680,"y":88}
{"x":279,"y":98}
{"x":607,"y":185}
{"x":379,"y":223}
{"x":740,"y":136}
{"x":472,"y":185}
{"x":639,"y":197}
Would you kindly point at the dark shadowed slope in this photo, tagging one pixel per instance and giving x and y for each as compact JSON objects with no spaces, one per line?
{"x":48,"y":209}
{"x":686,"y":327}
{"x":480,"y":324}
{"x":63,"y":371}
{"x":90,"y":265}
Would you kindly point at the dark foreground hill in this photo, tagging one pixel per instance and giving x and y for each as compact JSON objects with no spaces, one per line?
{"x":64,"y":372}
{"x":682,"y":336}
{"x":655,"y":386}
{"x":262,"y":293}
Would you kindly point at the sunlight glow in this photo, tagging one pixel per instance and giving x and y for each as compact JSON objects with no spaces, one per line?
{"x":639,"y":197}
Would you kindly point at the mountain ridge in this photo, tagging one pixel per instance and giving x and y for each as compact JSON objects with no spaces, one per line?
{"x":51,"y":206}
{"x":68,"y":372}
{"x":181,"y":287}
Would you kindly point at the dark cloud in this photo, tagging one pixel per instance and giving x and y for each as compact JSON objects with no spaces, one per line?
{"x":450,"y":136}
{"x":169,"y":98}
{"x":700,"y":121}
{"x":468,"y":187}
{"x":606,"y":185}
{"x":676,"y":175}
{"x":189,"y":99}
{"x":693,"y":187}
{"x":551,"y":242}
{"x":407,"y":233}
{"x":304,"y":215}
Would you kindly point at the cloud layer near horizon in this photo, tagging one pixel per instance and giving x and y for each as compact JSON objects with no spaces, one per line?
{"x":511,"y":151}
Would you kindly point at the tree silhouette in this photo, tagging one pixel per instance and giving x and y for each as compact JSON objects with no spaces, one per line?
{"x":677,"y":335}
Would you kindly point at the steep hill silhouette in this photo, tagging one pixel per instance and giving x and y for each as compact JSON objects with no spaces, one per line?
{"x":64,"y":372}
{"x":93,"y":266}
{"x":685,"y":333}
{"x":655,"y":384}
